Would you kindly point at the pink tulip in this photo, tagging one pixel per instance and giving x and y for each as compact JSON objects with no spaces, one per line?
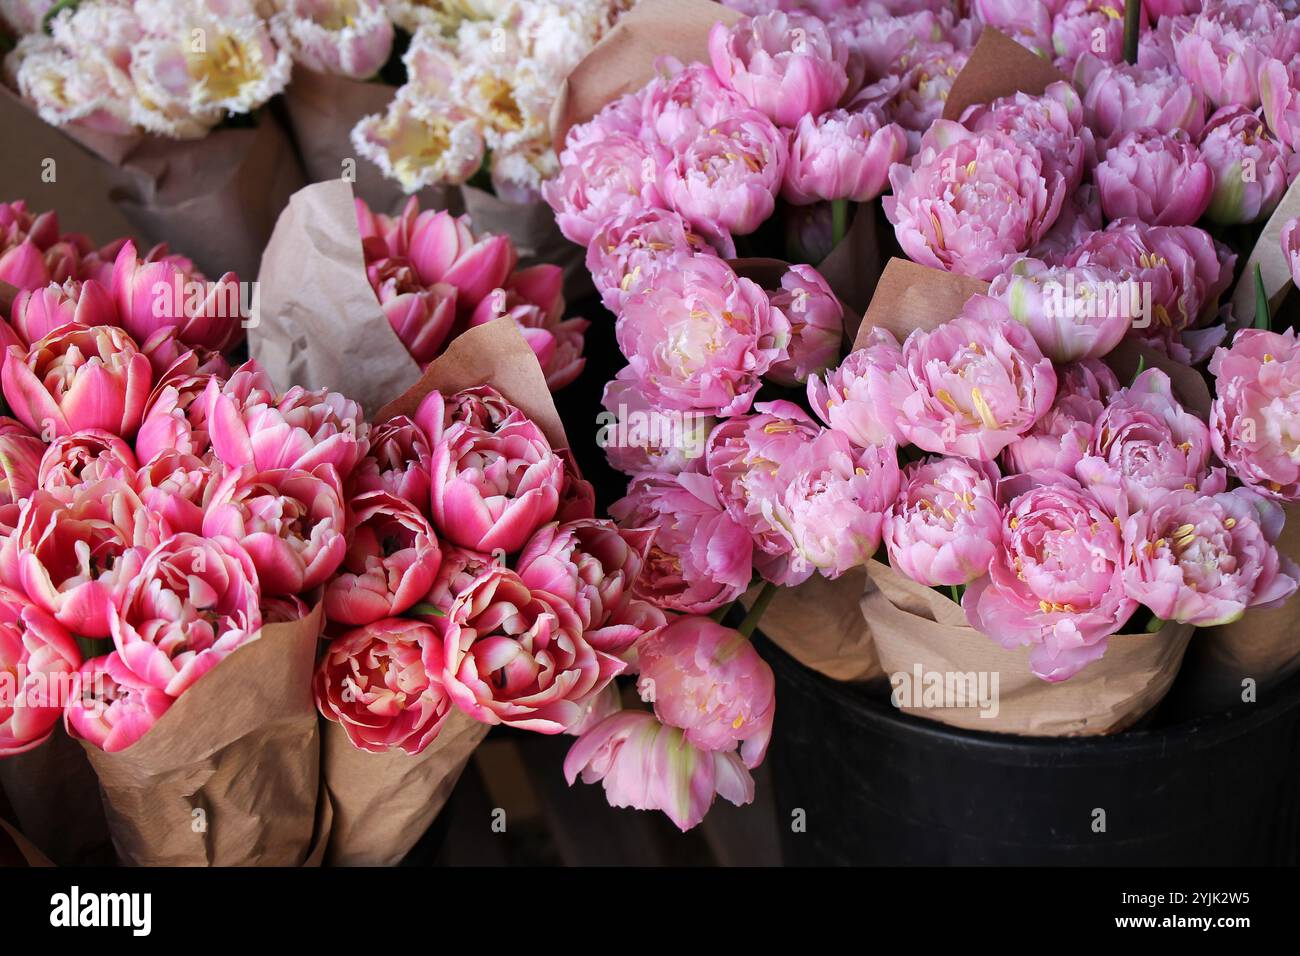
{"x":176,"y":418}
{"x":158,"y":293}
{"x":943,"y":528}
{"x":1080,"y":217}
{"x":1159,"y":178}
{"x":175,"y":486}
{"x":1249,"y":166}
{"x":728,"y":178}
{"x":1144,"y":444}
{"x":290,"y":521}
{"x":683,"y":102}
{"x":602,"y":178}
{"x":786,"y":66}
{"x":382,"y":683}
{"x":577,"y":495}
{"x":1028,"y":22}
{"x":77,"y":550}
{"x":422,"y":317}
{"x":111,"y":707}
{"x":1119,"y":98}
{"x":192,"y":604}
{"x":640,"y":436}
{"x":459,"y":569}
{"x":1222,"y":49}
{"x":1095,"y":27}
{"x":1072,"y":313}
{"x":842,"y":155}
{"x":1060,"y":439}
{"x":816,"y":325}
{"x":516,"y":657}
{"x":702,"y":339}
{"x":916,"y":98}
{"x":391,"y":562}
{"x":491,"y":491}
{"x":709,"y":681}
{"x":78,"y":378}
{"x":37,"y":654}
{"x":38,"y":312}
{"x":649,"y":766}
{"x":23,"y":267}
{"x":86,"y":456}
{"x":1057,"y":579}
{"x":1279,"y":93}
{"x":302,"y":430}
{"x":1052,"y":123}
{"x":20,"y":461}
{"x":1204,"y":560}
{"x":1254,"y":422}
{"x":701,"y":559}
{"x":975,"y":204}
{"x":861,"y":398}
{"x":482,"y":408}
{"x":977,"y":382}
{"x":1291,"y":247}
{"x":350,"y":38}
{"x":398,"y":462}
{"x":591,"y":565}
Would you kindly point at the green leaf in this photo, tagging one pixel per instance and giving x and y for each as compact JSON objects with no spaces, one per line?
{"x":1263,"y":314}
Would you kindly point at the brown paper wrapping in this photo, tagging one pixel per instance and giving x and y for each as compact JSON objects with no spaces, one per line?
{"x":820,"y":624}
{"x":997,"y":67}
{"x":17,"y":850}
{"x":914,"y":625}
{"x":1264,"y":646}
{"x":1273,"y":263}
{"x":317,"y":322}
{"x":55,"y":799}
{"x":242,"y":747}
{"x":853,"y":268}
{"x":624,"y":60}
{"x":385,"y":802}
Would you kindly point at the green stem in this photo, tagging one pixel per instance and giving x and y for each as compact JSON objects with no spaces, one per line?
{"x":426,"y":610}
{"x":839,"y":221}
{"x":1132,"y":20}
{"x":721,"y":612}
{"x":956,"y":593}
{"x":756,"y":612}
{"x":1155,"y":626}
{"x":53,"y":12}
{"x":1263,"y":314}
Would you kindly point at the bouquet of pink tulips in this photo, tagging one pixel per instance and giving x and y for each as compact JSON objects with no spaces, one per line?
{"x":1019,"y":448}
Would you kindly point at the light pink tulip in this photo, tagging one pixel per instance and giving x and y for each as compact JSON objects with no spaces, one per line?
{"x":112,"y":708}
{"x":591,"y":565}
{"x":977,"y":382}
{"x":37,"y":655}
{"x":786,"y":66}
{"x":683,"y":102}
{"x":1057,"y":579}
{"x":391,"y":561}
{"x":1060,"y":439}
{"x":38,"y":312}
{"x":649,"y":766}
{"x":1279,"y":93}
{"x":1255,"y":418}
{"x":516,"y":657}
{"x":943,"y":527}
{"x":1028,"y":22}
{"x":1249,"y":166}
{"x":640,"y":436}
{"x":1204,"y":560}
{"x":842,"y":155}
{"x":1145,"y":444}
{"x":1120,"y":98}
{"x":191,"y":605}
{"x":376,"y":683}
{"x":491,"y":491}
{"x":1052,"y":123}
{"x":816,"y":325}
{"x":1159,"y":178}
{"x":702,"y":339}
{"x":86,"y":456}
{"x":1222,"y":49}
{"x":78,"y":378}
{"x":701,"y":558}
{"x":862,"y":396}
{"x":77,"y":550}
{"x":1095,"y":27}
{"x":291,"y":522}
{"x":601,"y":178}
{"x":709,"y":681}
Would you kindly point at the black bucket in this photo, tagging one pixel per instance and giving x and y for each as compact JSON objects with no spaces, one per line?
{"x":858,"y":783}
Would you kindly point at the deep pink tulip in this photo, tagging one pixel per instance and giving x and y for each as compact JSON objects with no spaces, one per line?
{"x":38,"y":656}
{"x":175,"y":486}
{"x":398,"y":462}
{"x":816,"y":325}
{"x":86,"y":456}
{"x":38,"y":312}
{"x":20,"y":461}
{"x":113,"y":708}
{"x":158,"y":292}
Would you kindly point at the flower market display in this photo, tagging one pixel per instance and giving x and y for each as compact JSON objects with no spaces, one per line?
{"x":924,"y":342}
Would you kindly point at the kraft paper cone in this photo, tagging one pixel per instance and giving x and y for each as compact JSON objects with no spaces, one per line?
{"x":1268,"y":255}
{"x":624,"y":60}
{"x":230,"y":775}
{"x":1263,"y":646}
{"x":17,"y":850}
{"x":55,"y":799}
{"x":819,"y":623}
{"x":531,"y":227}
{"x":317,"y":322}
{"x":914,"y":626}
{"x":853,"y":267}
{"x":383,"y":803}
{"x":997,"y":67}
